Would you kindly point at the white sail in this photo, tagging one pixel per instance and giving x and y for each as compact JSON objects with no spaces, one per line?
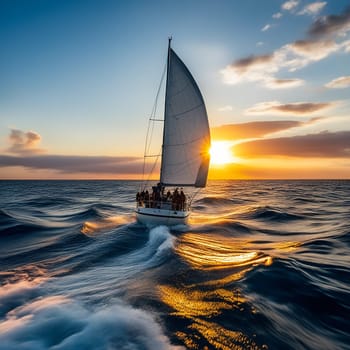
{"x":186,"y":136}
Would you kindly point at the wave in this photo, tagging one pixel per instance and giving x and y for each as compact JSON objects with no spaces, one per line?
{"x":60,"y":323}
{"x":5,"y":215}
{"x":21,"y":229}
{"x":225,"y":225}
{"x":92,"y":228}
{"x":45,"y":202}
{"x":215,"y":202}
{"x":344,"y":237}
{"x":287,"y":300}
{"x":265,"y":269}
{"x":268,"y":213}
{"x":92,"y":212}
{"x":26,"y":221}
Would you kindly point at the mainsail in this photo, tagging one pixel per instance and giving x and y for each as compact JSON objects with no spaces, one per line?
{"x":186,"y":135}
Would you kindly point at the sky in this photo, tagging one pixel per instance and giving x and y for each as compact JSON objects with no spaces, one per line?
{"x":78,"y":80}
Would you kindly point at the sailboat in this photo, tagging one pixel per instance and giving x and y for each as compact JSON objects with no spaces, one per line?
{"x":185,"y":150}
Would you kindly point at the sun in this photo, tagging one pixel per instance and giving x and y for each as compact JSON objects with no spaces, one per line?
{"x":220,"y":153}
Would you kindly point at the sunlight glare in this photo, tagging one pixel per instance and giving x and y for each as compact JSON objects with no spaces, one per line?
{"x":220,"y":152}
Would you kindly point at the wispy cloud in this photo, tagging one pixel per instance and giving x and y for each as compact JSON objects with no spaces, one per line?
{"x":313,"y":50}
{"x":266,"y":27}
{"x":226,"y":108}
{"x":339,"y":83}
{"x":283,"y":83}
{"x":233,"y":132}
{"x":290,"y":5}
{"x":277,"y":15}
{"x":332,"y":24}
{"x":293,"y":56}
{"x":322,"y":145}
{"x":24,"y":142}
{"x":75,"y":164}
{"x":245,"y":64}
{"x":277,"y":108}
{"x":313,"y":8}
{"x":252,"y":68}
{"x":26,"y":154}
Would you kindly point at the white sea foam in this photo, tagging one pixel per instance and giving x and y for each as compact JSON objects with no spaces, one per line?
{"x":161,"y":243}
{"x":33,"y":320}
{"x":59,"y":323}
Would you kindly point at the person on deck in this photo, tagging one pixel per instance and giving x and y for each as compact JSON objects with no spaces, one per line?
{"x":147,"y":199}
{"x":138,"y":198}
{"x":182,"y":200}
{"x":175,"y":200}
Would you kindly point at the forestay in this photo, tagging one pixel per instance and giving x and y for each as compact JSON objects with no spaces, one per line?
{"x":186,"y":137}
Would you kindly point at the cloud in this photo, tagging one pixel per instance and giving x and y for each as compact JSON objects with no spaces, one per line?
{"x":232,"y":132}
{"x":266,"y":27}
{"x":293,"y":56}
{"x":313,"y":50}
{"x":225,"y":108}
{"x":339,"y":83}
{"x":290,"y":5}
{"x":75,"y":164}
{"x":313,"y":8}
{"x":332,"y":24}
{"x":245,"y":64}
{"x":322,"y":145}
{"x":277,"y":15}
{"x":24,"y":142}
{"x":283,"y":83}
{"x":252,"y":68}
{"x":26,"y":155}
{"x":297,"y":108}
{"x":346,"y":46}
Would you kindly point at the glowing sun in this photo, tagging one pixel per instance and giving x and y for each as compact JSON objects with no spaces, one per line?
{"x":220,"y":153}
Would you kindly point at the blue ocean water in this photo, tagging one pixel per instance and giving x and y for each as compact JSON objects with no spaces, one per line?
{"x":261,"y":265}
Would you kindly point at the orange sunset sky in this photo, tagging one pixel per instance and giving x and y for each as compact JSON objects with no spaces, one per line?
{"x":79,"y":81}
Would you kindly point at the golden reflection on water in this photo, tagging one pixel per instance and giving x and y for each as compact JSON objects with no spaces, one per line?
{"x":199,"y":306}
{"x":287,"y":246}
{"x":213,"y":253}
{"x":90,"y":228}
{"x":200,"y":303}
{"x":192,"y":303}
{"x":218,"y":337}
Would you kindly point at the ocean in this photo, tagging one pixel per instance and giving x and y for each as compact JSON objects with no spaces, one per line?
{"x":261,"y":265}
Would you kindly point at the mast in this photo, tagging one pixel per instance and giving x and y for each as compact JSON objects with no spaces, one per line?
{"x":165,"y":104}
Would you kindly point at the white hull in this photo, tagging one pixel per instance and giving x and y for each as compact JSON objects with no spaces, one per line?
{"x":156,"y":217}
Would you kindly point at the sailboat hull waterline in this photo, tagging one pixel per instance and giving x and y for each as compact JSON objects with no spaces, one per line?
{"x":185,"y":150}
{"x":156,"y":217}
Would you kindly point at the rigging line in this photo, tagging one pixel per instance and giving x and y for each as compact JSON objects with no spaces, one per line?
{"x":148,"y":136}
{"x":192,"y":197}
{"x":153,"y":167}
{"x":154,"y":110}
{"x":144,"y":153}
